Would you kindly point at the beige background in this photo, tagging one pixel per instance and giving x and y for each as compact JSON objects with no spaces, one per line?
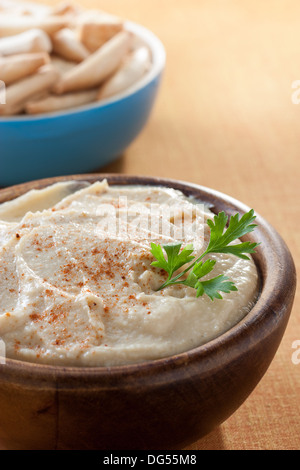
{"x":224,"y":118}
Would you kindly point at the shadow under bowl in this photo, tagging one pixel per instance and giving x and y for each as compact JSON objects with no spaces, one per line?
{"x":163,"y":404}
{"x":82,"y":139}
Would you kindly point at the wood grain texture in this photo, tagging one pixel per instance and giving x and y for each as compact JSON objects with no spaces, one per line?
{"x":163,"y":404}
{"x":224,"y":118}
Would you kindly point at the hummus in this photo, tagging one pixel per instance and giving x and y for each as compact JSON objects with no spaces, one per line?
{"x":76,"y":283}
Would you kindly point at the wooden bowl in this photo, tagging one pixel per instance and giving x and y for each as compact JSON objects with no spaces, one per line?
{"x":164,"y":404}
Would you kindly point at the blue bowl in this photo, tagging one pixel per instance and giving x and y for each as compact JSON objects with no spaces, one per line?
{"x":82,"y":139}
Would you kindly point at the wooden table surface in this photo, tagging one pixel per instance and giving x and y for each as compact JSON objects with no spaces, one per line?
{"x":225,"y":118}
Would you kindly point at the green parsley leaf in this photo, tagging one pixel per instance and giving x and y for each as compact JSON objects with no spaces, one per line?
{"x":240,"y":249}
{"x":175,"y":257}
{"x":214,"y":286}
{"x":157,"y":252}
{"x":199,"y":270}
{"x":221,"y":238}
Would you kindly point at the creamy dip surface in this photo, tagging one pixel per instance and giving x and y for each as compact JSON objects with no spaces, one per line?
{"x":76,"y":283}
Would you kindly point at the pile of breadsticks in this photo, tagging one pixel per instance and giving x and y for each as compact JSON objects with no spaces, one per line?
{"x":63,"y":57}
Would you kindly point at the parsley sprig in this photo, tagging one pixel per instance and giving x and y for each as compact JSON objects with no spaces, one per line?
{"x":220,"y":241}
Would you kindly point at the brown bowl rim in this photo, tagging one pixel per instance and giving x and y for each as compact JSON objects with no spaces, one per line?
{"x":273,"y":292}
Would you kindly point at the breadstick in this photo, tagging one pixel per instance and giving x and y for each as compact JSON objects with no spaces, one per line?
{"x":15,"y":67}
{"x":6,"y":110}
{"x":57,"y":103}
{"x":66,"y":45}
{"x":24,"y":89}
{"x":65,"y":8}
{"x":96,"y":31}
{"x":12,"y":25}
{"x":33,"y":40}
{"x":62,"y":65}
{"x":97,"y":67}
{"x":132,"y":69}
{"x":19,"y":108}
{"x":24,"y":8}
